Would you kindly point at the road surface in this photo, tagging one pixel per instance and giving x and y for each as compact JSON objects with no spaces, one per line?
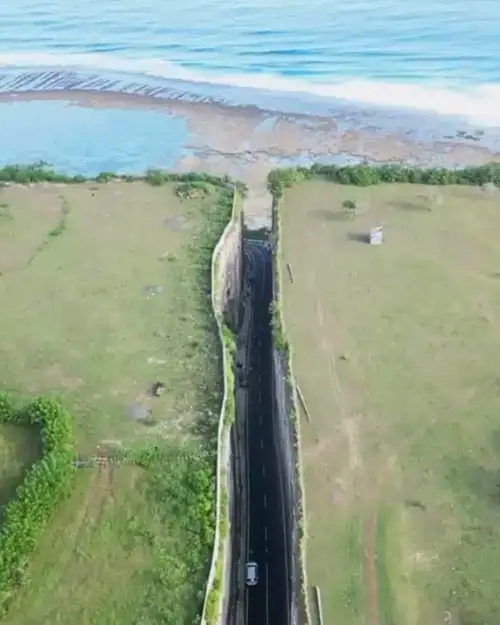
{"x":267,"y":603}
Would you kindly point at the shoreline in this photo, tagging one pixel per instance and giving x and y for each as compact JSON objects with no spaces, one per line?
{"x":280,"y":135}
{"x":246,"y":142}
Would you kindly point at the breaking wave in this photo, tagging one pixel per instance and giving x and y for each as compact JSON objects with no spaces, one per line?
{"x":478,"y":104}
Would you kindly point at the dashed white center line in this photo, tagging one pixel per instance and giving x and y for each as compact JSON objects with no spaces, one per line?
{"x":265,"y":534}
{"x":265,"y":501}
{"x":262,"y":445}
{"x":263,"y":470}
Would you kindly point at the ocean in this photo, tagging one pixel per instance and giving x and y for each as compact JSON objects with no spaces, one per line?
{"x":437,"y":58}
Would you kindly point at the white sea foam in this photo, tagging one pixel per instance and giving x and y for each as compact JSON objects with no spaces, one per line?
{"x":478,"y":104}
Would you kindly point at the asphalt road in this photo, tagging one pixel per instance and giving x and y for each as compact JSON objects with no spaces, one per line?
{"x":268,"y":602}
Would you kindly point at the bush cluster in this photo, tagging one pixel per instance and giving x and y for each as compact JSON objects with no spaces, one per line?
{"x":37,"y":172}
{"x":43,"y":172}
{"x":230,"y":353}
{"x":46,"y":483}
{"x":157,"y":177}
{"x":180,"y":491}
{"x":190,"y":190}
{"x":277,"y":329}
{"x":365,"y":175}
{"x":214,"y":597}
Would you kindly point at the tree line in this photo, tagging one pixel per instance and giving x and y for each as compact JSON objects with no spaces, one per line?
{"x":365,"y":175}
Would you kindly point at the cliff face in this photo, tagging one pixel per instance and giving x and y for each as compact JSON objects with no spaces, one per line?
{"x":226,"y":292}
{"x":230,"y":273}
{"x":287,"y":427}
{"x":284,"y":427}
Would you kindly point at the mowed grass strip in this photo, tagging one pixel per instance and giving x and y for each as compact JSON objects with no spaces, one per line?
{"x":402,"y":454}
{"x":105,"y":290}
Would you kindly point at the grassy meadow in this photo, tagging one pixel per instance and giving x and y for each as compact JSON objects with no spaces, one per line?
{"x":105,"y":290}
{"x":401,"y":455}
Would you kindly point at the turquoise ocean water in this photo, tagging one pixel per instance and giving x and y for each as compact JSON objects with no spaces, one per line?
{"x":431,"y":56}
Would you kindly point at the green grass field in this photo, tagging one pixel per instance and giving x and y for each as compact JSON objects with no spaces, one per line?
{"x":105,"y":289}
{"x":402,"y":454}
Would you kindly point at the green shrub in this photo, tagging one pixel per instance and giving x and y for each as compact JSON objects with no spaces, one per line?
{"x":277,"y":329}
{"x":188,"y":190}
{"x":180,"y":489}
{"x":364,"y":175}
{"x":155,"y":177}
{"x":43,"y":172}
{"x":229,"y":342}
{"x":7,"y":410}
{"x":214,"y":597}
{"x":105,"y":176}
{"x":280,"y":179}
{"x":349,"y":205}
{"x":5,"y":211}
{"x":46,"y":483}
{"x":58,"y":230}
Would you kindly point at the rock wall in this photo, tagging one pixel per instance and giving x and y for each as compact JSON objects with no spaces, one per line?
{"x":230,"y":271}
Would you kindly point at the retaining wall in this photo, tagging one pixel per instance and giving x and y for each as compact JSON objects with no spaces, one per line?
{"x":229,"y":269}
{"x":287,"y":425}
{"x":227,"y":266}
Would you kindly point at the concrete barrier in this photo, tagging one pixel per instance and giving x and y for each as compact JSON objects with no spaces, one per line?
{"x":221,"y":282}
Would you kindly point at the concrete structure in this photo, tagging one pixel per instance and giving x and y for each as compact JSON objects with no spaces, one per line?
{"x":376,"y":235}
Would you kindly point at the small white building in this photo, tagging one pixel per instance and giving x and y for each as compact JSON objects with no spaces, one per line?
{"x":376,"y":235}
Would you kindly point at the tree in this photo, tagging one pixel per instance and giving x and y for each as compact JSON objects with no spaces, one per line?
{"x":351,"y":206}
